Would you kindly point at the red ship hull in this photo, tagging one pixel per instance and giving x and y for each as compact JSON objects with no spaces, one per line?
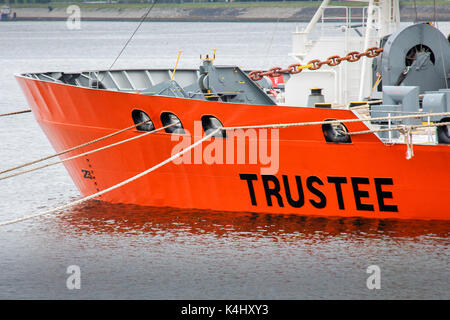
{"x":365,"y":178}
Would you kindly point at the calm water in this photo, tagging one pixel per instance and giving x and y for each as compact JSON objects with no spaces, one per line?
{"x":130,"y":252}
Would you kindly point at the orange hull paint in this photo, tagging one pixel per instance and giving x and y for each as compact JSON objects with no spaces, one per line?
{"x":71,"y":115}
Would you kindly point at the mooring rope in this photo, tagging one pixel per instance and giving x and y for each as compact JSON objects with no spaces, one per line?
{"x":116,"y":186}
{"x":409,"y":142}
{"x":400,"y":128}
{"x":300,"y":124}
{"x":15,"y":112}
{"x":87,"y":153}
{"x":73,"y":148}
{"x":406,"y":129}
{"x":273,"y":126}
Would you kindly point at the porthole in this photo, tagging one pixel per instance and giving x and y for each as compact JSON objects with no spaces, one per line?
{"x":443,"y":132}
{"x":168,"y":118}
{"x":210,"y":123}
{"x":335,"y":132}
{"x":140,"y":116}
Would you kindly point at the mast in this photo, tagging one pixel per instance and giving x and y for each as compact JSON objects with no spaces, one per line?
{"x":383,"y":17}
{"x":316,"y":17}
{"x":367,"y":38}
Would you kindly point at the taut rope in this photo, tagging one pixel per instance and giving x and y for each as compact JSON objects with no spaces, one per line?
{"x":118,"y":185}
{"x":86,"y":153}
{"x":73,"y":148}
{"x":15,"y":112}
{"x":405,"y":129}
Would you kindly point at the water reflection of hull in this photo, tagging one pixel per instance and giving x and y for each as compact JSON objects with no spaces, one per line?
{"x":97,"y":216}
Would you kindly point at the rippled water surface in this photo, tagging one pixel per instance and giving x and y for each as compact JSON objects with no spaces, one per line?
{"x":131,"y":252}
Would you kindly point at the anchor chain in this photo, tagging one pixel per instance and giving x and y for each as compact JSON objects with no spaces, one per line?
{"x":315,"y":64}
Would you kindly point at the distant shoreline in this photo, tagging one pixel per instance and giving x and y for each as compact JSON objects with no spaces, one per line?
{"x":232,"y":13}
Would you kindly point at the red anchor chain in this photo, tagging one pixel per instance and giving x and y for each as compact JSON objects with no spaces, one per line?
{"x":316,"y":64}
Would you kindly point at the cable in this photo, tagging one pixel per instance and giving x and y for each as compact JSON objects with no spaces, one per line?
{"x":132,"y":35}
{"x":73,"y":148}
{"x":13,"y":113}
{"x":118,"y":185}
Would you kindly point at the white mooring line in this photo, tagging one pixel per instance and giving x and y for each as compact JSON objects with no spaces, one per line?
{"x":116,"y":186}
{"x":403,"y":128}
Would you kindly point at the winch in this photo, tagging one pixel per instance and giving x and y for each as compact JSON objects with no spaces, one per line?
{"x":417,"y":55}
{"x":414,"y":69}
